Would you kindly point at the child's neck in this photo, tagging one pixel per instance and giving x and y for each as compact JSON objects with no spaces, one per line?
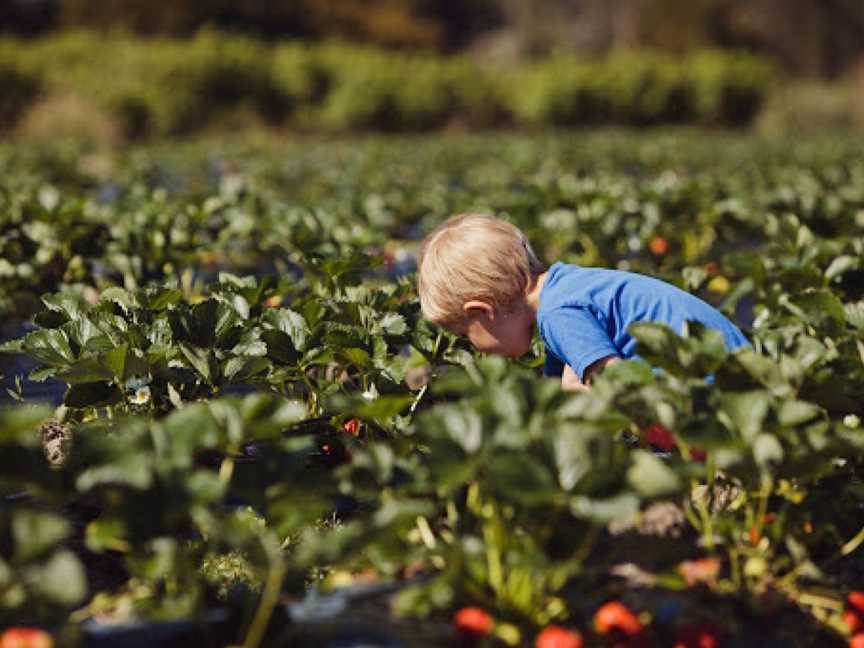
{"x":532,"y":295}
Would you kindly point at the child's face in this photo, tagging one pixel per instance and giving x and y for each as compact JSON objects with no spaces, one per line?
{"x":508,"y":334}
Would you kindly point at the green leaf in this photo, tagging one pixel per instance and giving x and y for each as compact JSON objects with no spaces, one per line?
{"x":358,"y":357}
{"x":123,"y":298}
{"x":854,"y":315}
{"x":629,"y":372}
{"x":658,"y":344}
{"x":134,"y":470}
{"x":840,"y":265}
{"x":161,"y":298}
{"x":393,"y":324}
{"x":290,"y":323}
{"x":34,"y":533}
{"x":746,"y":411}
{"x":767,"y":450}
{"x":13,"y":346}
{"x":280,"y":347}
{"x":245,"y":368}
{"x":384,"y":407}
{"x":87,"y":370}
{"x":464,"y":426}
{"x":49,"y":346}
{"x":202,"y":360}
{"x":205,"y":486}
{"x":571,"y":454}
{"x":115,"y":361}
{"x":650,"y":476}
{"x":105,"y":533}
{"x":522,"y":478}
{"x":796,"y":412}
{"x":60,"y":579}
{"x":602,"y":511}
{"x":820,"y":308}
{"x":72,"y":305}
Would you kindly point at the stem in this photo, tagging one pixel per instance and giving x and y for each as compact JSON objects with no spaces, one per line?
{"x":418,"y":399}
{"x":695,"y":522}
{"x":226,"y":469}
{"x":853,"y":544}
{"x":268,"y":603}
{"x":735,"y":565}
{"x":763,"y":506}
{"x":705,"y":515}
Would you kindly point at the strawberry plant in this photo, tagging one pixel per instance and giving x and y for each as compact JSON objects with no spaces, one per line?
{"x":253,"y":411}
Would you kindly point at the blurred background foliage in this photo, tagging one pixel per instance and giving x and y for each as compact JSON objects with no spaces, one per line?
{"x":407,"y":65}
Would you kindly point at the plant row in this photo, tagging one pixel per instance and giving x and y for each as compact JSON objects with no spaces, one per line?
{"x":718,"y":497}
{"x":173,"y":87}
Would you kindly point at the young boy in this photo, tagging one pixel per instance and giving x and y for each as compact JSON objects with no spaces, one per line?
{"x":478,"y":277}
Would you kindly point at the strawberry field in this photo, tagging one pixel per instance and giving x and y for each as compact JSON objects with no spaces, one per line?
{"x":225,"y":423}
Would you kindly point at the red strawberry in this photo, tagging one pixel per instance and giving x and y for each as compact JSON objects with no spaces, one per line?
{"x":659,"y":436}
{"x":557,"y":637}
{"x":698,"y":455}
{"x":614,"y":615}
{"x":473,"y":622}
{"x":351,"y":426}
{"x":25,"y":638}
{"x":855,"y":599}
{"x":857,"y":641}
{"x":853,"y":620}
{"x":658,"y":246}
{"x":697,"y":636}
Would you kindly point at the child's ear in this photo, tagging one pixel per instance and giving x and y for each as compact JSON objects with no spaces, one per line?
{"x":475,"y":308}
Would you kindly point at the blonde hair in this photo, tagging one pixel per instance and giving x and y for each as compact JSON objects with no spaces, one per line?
{"x":473,"y":257}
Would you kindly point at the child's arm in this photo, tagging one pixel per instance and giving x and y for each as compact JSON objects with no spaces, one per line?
{"x":571,"y":382}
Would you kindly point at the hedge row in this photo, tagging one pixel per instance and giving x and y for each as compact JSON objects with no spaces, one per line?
{"x":172,"y":87}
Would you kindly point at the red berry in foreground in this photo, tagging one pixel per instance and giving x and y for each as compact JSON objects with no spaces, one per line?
{"x":698,"y":455}
{"x":693,"y":636}
{"x":25,"y":638}
{"x":558,"y":637}
{"x":857,"y":641}
{"x":474,"y":621}
{"x":853,"y":620}
{"x":616,"y":616}
{"x":855,"y":599}
{"x":659,"y":436}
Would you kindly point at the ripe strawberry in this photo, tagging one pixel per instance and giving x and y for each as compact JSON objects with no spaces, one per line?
{"x":698,"y":455}
{"x":857,"y":641}
{"x":614,"y":615}
{"x":557,"y":637}
{"x":658,"y":246}
{"x":659,"y":436}
{"x":473,"y":622}
{"x":26,"y":638}
{"x":351,"y":426}
{"x":855,"y":599}
{"x":696,"y":636}
{"x":853,"y":620}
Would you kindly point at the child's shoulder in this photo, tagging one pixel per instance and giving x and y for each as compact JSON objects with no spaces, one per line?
{"x":570,"y":281}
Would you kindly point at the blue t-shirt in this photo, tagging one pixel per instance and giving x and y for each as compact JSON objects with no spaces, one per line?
{"x":584,"y":314}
